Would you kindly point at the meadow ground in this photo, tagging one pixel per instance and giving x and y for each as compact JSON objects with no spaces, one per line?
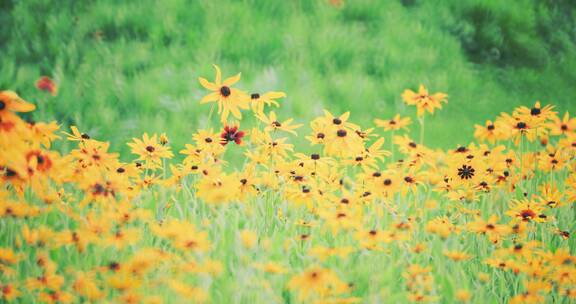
{"x":434,"y":205}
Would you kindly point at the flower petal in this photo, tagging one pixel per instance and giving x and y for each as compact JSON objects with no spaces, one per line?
{"x":207,"y":84}
{"x":210,"y":97}
{"x":232,"y":80}
{"x":218,"y":75}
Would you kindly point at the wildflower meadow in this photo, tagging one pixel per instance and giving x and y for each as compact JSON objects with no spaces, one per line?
{"x":259,"y":205}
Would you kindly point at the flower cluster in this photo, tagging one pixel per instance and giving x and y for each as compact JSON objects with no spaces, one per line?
{"x":347,"y":219}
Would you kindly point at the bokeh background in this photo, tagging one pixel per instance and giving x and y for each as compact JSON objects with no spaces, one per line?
{"x":125,"y":67}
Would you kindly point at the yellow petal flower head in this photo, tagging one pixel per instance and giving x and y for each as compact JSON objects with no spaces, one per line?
{"x":394,"y":124}
{"x":257,"y":101}
{"x":230,"y":100}
{"x":272,"y":123}
{"x":423,"y":100}
{"x":150,"y":150}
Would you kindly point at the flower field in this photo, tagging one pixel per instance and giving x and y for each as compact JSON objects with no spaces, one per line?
{"x":363,"y":212}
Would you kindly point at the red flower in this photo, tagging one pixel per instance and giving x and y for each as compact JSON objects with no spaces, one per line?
{"x":231,"y":134}
{"x":47,"y":84}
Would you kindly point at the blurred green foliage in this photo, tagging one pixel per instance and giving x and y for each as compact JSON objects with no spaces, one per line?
{"x":125,"y":67}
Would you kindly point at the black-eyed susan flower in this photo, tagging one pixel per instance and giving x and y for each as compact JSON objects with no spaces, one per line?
{"x":527,"y":211}
{"x":394,"y":124}
{"x":314,"y":283}
{"x":272,"y":123}
{"x":258,"y":101}
{"x":229,"y":100}
{"x":150,"y":150}
{"x":558,"y":126}
{"x":424,"y":101}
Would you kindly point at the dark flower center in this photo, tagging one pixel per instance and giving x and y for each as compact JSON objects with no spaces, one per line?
{"x":412,"y":144}
{"x":208,"y":140}
{"x":120,"y":170}
{"x":491,"y":127}
{"x":387,"y":182}
{"x":225,"y":91}
{"x":527,"y":214}
{"x":337,"y":121}
{"x":85,"y":136}
{"x":521,"y":125}
{"x":466,"y":172}
{"x":315,"y":156}
{"x":114,"y":266}
{"x":535,"y":111}
{"x":2,"y":105}
{"x":320,"y":135}
{"x":150,"y":149}
{"x":564,"y":127}
{"x":255,"y":96}
{"x":341,"y":133}
{"x":276,"y":124}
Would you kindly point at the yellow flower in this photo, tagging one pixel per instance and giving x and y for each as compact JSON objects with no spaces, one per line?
{"x":257,"y":101}
{"x":8,"y":256}
{"x":9,"y":292}
{"x":322,"y":253}
{"x":186,"y":292}
{"x":248,"y":238}
{"x":272,"y":123}
{"x":526,"y":211}
{"x":490,"y":132}
{"x":271,"y":267}
{"x":314,"y":282}
{"x":463,"y":295}
{"x":565,"y":126}
{"x":423,"y":100}
{"x":86,"y":286}
{"x":150,"y":150}
{"x":394,"y":124}
{"x":230,"y":100}
{"x":457,"y":256}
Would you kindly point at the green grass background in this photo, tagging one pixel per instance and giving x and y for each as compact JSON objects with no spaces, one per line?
{"x":489,"y":56}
